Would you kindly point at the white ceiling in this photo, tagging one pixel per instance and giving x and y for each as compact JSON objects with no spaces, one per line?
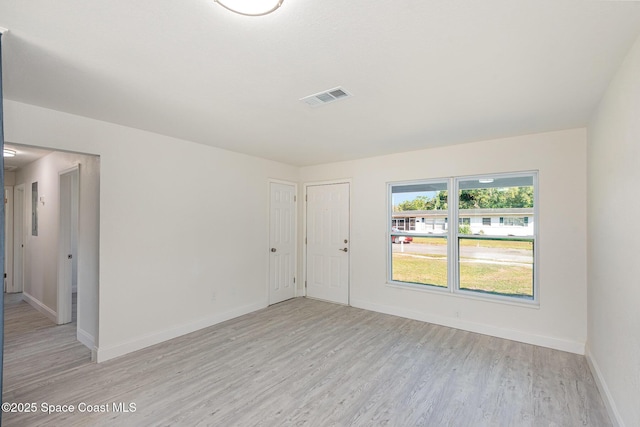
{"x":24,"y":156}
{"x":423,"y":72}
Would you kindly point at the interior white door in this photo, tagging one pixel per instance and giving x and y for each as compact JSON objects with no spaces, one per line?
{"x":18,"y":238}
{"x":282,"y":242}
{"x":328,"y":242}
{"x":67,"y":269}
{"x":8,"y":239}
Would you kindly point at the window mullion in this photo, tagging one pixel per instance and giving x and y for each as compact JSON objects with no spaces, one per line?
{"x":452,"y":256}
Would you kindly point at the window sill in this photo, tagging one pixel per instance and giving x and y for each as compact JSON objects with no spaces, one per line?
{"x":534,"y":304}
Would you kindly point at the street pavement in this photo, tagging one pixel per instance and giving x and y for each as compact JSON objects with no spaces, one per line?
{"x":478,"y":253}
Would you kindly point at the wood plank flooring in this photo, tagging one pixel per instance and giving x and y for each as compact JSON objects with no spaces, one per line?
{"x":36,"y":349}
{"x":309,"y":363}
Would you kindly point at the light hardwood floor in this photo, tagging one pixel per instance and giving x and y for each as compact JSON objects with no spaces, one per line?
{"x":305,"y":362}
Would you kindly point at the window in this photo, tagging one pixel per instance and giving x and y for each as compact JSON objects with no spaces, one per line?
{"x":497,"y":261}
{"x":420,"y":257}
{"x":472,"y":258}
{"x":514,"y":221}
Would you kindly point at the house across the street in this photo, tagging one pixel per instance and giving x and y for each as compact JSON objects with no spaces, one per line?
{"x":501,"y":222}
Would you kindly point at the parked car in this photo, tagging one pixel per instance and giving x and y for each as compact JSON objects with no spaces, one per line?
{"x":400,"y":239}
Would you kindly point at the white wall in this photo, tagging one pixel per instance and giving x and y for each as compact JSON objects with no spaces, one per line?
{"x":560,"y":157}
{"x":9,"y":178}
{"x":614,"y":243}
{"x":41,"y":251}
{"x":172,"y":256}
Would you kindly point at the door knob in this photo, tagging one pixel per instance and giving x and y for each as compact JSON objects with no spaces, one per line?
{"x":273,"y":249}
{"x":343,"y":250}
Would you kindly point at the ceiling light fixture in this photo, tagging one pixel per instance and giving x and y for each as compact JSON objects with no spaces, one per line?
{"x":250,"y":7}
{"x":7,"y":152}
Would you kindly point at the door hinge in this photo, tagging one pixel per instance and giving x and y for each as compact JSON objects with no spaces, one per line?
{"x":305,"y":240}
{"x":306,"y":198}
{"x":305,"y":284}
{"x":295,"y":199}
{"x":294,"y":280}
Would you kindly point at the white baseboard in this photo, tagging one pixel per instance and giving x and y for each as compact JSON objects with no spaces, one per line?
{"x":38,"y":305}
{"x":86,"y":338}
{"x":612,"y":409}
{"x":510,"y":334}
{"x":110,"y":352}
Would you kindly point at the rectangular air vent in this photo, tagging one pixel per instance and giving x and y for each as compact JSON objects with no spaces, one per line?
{"x":326,"y":97}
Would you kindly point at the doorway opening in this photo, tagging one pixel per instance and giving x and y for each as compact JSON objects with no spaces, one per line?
{"x":55,"y":237}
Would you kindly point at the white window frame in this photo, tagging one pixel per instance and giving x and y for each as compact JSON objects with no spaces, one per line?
{"x":452,"y":235}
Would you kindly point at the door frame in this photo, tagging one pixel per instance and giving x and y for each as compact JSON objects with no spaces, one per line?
{"x":64,"y":288}
{"x":19,"y":210}
{"x":306,"y":185}
{"x":295,"y":235}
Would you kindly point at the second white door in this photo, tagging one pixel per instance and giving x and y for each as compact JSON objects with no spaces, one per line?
{"x":282,"y":242}
{"x":328,"y":242}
